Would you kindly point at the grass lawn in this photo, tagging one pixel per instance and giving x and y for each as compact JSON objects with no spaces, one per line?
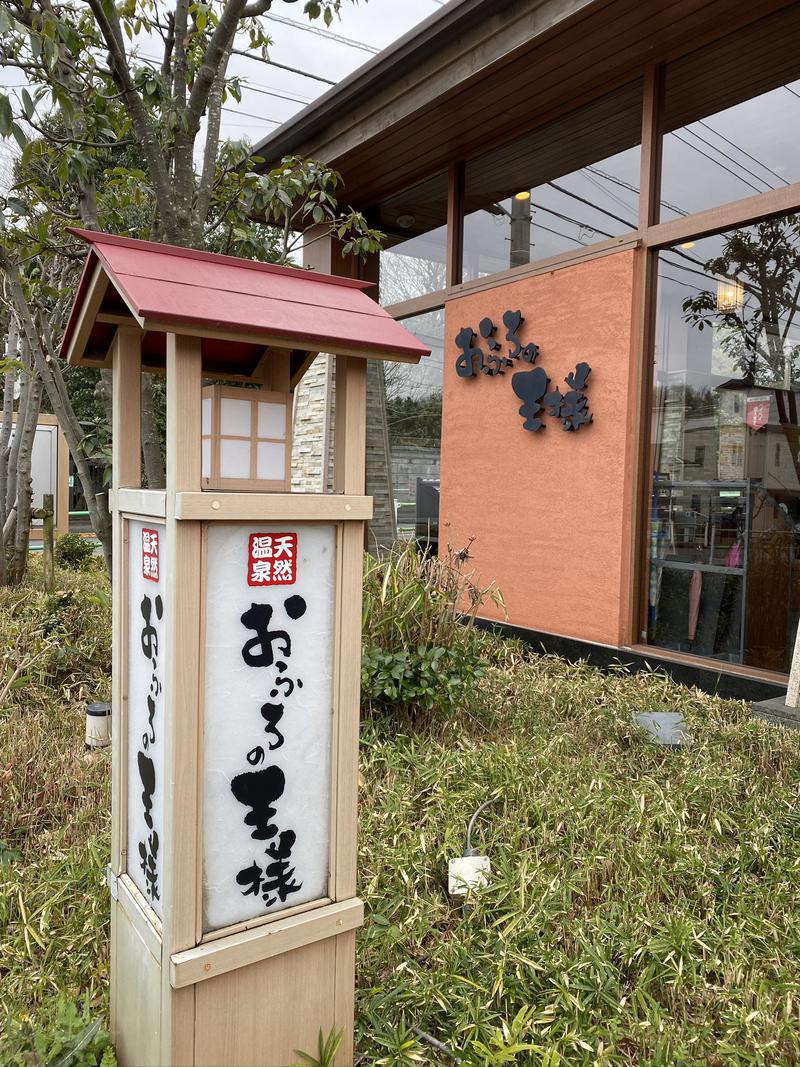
{"x":643,"y":908}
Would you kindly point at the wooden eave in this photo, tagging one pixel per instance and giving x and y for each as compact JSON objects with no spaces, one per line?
{"x":411,"y":113}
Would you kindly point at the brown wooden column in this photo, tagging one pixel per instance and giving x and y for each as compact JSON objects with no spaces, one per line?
{"x":633,"y":621}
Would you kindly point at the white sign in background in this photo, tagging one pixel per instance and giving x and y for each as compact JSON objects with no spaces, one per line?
{"x":287,"y":704}
{"x":146,"y":672}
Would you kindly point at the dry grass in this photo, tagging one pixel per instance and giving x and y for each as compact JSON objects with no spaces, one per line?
{"x":54,"y":797}
{"x":643,"y":906}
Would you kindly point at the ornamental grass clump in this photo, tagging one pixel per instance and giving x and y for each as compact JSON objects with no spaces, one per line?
{"x":421,"y":653}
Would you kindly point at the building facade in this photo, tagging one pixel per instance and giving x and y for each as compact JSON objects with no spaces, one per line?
{"x":592,"y":213}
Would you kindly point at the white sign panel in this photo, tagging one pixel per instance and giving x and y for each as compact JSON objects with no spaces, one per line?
{"x":267,"y":720}
{"x":146,"y":668}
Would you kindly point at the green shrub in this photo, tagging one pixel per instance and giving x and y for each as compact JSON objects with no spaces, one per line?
{"x":73,"y":1040}
{"x":421,"y":654}
{"x":74,"y":552}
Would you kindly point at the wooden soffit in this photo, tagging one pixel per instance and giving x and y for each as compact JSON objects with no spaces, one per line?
{"x":461,"y":84}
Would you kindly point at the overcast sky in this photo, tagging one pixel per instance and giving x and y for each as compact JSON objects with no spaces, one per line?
{"x":375,"y":24}
{"x":308,"y":46}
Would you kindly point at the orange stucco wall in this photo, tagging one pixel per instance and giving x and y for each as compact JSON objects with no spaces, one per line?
{"x":550,"y":510}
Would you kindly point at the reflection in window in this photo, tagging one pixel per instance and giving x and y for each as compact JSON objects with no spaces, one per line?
{"x":413,"y":261}
{"x":414,"y":416}
{"x":571,"y":182}
{"x":724,"y":579}
{"x":731,"y":116}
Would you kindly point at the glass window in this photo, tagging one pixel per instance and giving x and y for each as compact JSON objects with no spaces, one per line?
{"x":731,"y":116}
{"x":724,"y":579}
{"x":414,"y":416}
{"x":415,"y":223}
{"x":571,"y":182}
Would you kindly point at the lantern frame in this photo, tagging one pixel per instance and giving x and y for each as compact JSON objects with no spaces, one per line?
{"x":212,"y":435}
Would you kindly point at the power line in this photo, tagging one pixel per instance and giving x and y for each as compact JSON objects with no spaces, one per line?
{"x":274,"y":92}
{"x":283,"y":66}
{"x":726,"y":155}
{"x":634,"y":189}
{"x":607,"y":192}
{"x":677,"y":281}
{"x":249,"y":86}
{"x":594,"y":207}
{"x":738,"y":148}
{"x":557,"y":233}
{"x":328,"y":34}
{"x":250,"y":115}
{"x":575,"y":222}
{"x":694,"y":147}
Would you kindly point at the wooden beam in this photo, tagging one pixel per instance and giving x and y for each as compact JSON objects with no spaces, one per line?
{"x":725,"y":217}
{"x":95,"y":292}
{"x":546,"y":266}
{"x":346,"y":712}
{"x":214,"y":958}
{"x":126,"y":351}
{"x":125,"y":469}
{"x":349,"y":455}
{"x":183,"y":820}
{"x":323,"y":344}
{"x":300,"y":370}
{"x":113,"y":319}
{"x":143,"y":919}
{"x":208,"y":506}
{"x":277,"y":370}
{"x":455,"y":224}
{"x":634,"y":587}
{"x":151,"y":503}
{"x":350,"y":426}
{"x":419,"y":305}
{"x":263,"y":920}
{"x":650,"y":158}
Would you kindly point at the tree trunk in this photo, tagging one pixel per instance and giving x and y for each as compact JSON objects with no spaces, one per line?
{"x":49,"y":370}
{"x":22,"y":406}
{"x":8,"y":411}
{"x":5,"y":443}
{"x":26,"y":432}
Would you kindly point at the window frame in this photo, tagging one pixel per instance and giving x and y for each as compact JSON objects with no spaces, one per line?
{"x":649,"y":238}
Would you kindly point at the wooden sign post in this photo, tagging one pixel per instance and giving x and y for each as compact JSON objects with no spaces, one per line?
{"x":237,"y":617}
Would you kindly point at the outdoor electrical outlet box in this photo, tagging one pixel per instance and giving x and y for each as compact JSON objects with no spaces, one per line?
{"x":466,"y":873}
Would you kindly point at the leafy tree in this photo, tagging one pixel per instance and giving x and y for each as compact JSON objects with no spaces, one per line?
{"x":116,"y":137}
{"x":755,"y":320}
{"x":764,"y":260}
{"x":415,"y":419}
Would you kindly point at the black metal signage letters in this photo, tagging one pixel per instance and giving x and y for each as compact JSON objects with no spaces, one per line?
{"x":531,"y":386}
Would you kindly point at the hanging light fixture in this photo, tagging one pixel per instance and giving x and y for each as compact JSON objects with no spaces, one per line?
{"x":730,"y":294}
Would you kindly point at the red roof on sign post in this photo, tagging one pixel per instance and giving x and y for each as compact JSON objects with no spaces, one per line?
{"x":163,"y":287}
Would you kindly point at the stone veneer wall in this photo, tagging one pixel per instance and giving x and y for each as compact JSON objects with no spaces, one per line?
{"x":312,"y":445}
{"x":310,"y":419}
